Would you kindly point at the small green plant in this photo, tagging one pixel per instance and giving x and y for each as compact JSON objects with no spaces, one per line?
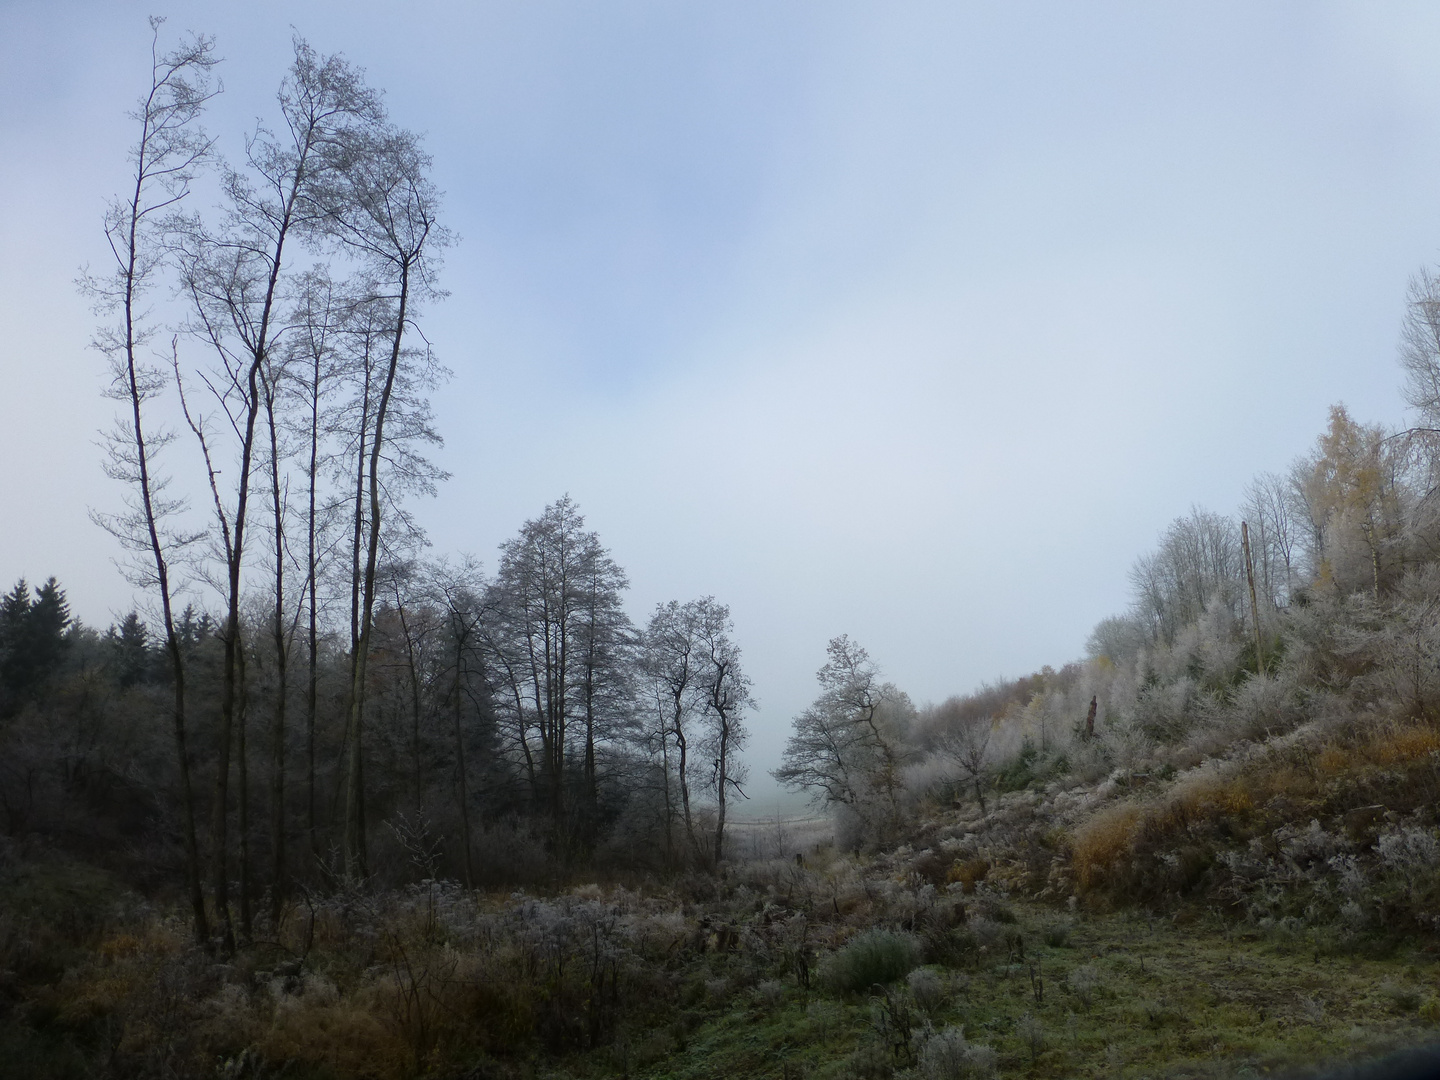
{"x":873,"y":958}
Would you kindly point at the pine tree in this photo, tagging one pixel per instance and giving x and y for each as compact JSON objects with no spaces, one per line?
{"x":130,"y":651}
{"x":32,"y":641}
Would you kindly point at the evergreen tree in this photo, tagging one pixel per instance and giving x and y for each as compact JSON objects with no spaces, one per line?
{"x":33,"y":641}
{"x":130,"y":651}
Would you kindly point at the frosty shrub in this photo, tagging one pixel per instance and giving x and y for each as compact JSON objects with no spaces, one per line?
{"x":1084,"y":981}
{"x":1130,"y":747}
{"x":1263,"y":706}
{"x":1306,"y":847}
{"x":1353,"y":881}
{"x":769,"y":993}
{"x":987,"y":933}
{"x":947,"y":1055}
{"x":1166,"y":711}
{"x":873,"y":958}
{"x":1032,"y":1034}
{"x":1354,"y":916}
{"x":1409,"y":850}
{"x":927,"y":989}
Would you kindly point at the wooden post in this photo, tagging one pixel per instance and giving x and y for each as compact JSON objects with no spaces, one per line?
{"x":1254,"y":605}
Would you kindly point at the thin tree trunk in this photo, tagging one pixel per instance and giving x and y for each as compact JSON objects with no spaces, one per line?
{"x":669,"y":801}
{"x":722,"y":769}
{"x":243,"y":778}
{"x":282,"y":654}
{"x":1254,"y":605}
{"x":165,"y":162}
{"x":412,"y":670}
{"x":353,"y":835}
{"x":460,"y":765}
{"x":682,"y":768}
{"x":313,"y":635}
{"x":355,"y":855}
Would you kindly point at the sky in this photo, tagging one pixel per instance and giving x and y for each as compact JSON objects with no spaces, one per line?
{"x":916,"y":322}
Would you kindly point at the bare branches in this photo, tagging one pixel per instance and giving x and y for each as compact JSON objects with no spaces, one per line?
{"x":167,"y":154}
{"x":848,"y":747}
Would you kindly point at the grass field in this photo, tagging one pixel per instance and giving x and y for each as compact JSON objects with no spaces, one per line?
{"x":1117,"y":995}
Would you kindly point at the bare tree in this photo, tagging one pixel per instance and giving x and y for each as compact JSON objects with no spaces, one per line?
{"x":847,"y":748}
{"x":726,"y":698}
{"x":318,"y":315}
{"x":461,"y":593}
{"x":556,"y":595}
{"x":233,"y":277}
{"x":1198,"y":559}
{"x":1420,"y":348}
{"x":168,"y":153}
{"x":965,"y":739}
{"x":383,"y":208}
{"x":672,"y":659}
{"x":1270,"y":504}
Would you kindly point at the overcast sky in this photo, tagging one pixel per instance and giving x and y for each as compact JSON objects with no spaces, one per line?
{"x":916,"y":322}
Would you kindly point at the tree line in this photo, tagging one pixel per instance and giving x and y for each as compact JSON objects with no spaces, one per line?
{"x":1318,"y":594}
{"x":317,"y":670}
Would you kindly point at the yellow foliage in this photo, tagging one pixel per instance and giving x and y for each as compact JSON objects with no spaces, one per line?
{"x":1212,"y":795}
{"x":1102,"y":841}
{"x":1404,"y":744}
{"x":968,"y":872}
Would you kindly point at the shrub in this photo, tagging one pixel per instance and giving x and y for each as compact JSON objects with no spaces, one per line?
{"x":947,"y":1055}
{"x":1084,"y":981}
{"x":770,"y":993}
{"x":873,"y":958}
{"x":1032,"y":1034}
{"x":927,"y":989}
{"x":1057,"y":934}
{"x":1404,"y":998}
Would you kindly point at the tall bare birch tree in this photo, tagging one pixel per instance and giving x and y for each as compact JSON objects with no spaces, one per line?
{"x":168,"y":153}
{"x":233,"y":275}
{"x":382,"y":207}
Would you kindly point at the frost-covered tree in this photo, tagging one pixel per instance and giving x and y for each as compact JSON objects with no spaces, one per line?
{"x":848,"y":747}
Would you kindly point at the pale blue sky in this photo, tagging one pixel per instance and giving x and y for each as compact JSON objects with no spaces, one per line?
{"x":915,"y":322}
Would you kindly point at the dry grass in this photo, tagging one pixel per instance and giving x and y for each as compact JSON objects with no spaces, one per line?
{"x":967,"y":872}
{"x":1403,"y":744}
{"x":1102,"y":842}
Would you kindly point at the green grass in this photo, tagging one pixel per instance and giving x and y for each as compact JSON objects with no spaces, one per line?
{"x":1199,"y":1000}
